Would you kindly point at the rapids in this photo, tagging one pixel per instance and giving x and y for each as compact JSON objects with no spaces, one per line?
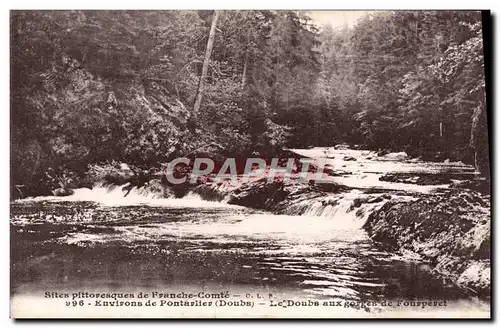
{"x":97,"y":238}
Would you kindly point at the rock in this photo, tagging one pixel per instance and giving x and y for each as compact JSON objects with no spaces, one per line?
{"x":159,"y":189}
{"x":368,"y":200}
{"x":124,"y":167}
{"x":382,"y":152}
{"x":396,"y":156}
{"x":415,"y":160}
{"x":273,"y":196}
{"x":312,"y":168}
{"x":330,"y":187}
{"x":204,"y":179}
{"x":259,"y":194}
{"x":329,"y":170}
{"x":419,"y":179}
{"x":450,"y":230}
{"x":62,"y":192}
{"x":476,"y":276}
{"x":349,"y":158}
{"x":341,"y":147}
{"x":338,"y":173}
{"x":215,"y":191}
{"x":453,"y":163}
{"x":372,"y":200}
{"x":480,"y":185}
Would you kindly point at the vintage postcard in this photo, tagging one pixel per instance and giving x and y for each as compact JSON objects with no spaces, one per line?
{"x":249,"y":164}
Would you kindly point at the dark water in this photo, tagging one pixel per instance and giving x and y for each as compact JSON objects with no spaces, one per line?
{"x":64,"y":245}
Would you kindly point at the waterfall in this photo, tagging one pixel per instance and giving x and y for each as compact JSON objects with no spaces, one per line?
{"x":348,"y":210}
{"x":113,"y":195}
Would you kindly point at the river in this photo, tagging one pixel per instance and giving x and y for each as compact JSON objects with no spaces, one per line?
{"x":100,"y":240}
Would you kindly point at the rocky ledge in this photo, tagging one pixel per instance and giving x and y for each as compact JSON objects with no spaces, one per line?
{"x":450,"y":230}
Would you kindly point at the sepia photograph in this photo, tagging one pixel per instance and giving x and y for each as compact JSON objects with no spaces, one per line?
{"x":250,"y":164}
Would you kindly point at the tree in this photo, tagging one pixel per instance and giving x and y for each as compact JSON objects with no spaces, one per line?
{"x":206,"y":62}
{"x":95,"y":86}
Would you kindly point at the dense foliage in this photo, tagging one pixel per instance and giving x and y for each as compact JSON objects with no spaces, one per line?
{"x":409,"y":81}
{"x":94,"y":86}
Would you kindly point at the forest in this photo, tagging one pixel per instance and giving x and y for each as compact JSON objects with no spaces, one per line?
{"x":144,"y":87}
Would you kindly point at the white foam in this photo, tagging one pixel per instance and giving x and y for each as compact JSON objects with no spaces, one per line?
{"x":117,"y":196}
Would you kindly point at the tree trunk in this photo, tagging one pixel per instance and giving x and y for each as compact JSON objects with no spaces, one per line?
{"x":244,"y":77}
{"x":245,"y":65}
{"x":479,"y":141}
{"x":201,"y":84}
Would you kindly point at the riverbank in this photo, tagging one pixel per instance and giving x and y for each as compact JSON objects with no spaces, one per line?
{"x":450,"y":230}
